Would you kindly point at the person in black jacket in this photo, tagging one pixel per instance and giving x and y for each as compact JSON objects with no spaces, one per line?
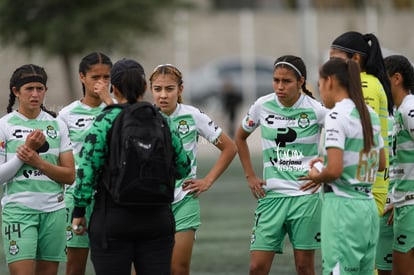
{"x":121,"y":235}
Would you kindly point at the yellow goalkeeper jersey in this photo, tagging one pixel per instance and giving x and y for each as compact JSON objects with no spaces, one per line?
{"x":376,"y":98}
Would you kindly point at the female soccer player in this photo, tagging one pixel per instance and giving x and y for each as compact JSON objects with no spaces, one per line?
{"x":366,"y":51}
{"x":79,"y":116}
{"x":291,"y":122}
{"x":354,"y":153}
{"x":167,"y":87}
{"x":33,"y":215}
{"x":401,"y":75}
{"x":121,"y":235}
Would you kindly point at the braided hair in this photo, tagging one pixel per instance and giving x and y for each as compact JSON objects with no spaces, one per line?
{"x":23,"y":75}
{"x":92,"y":59}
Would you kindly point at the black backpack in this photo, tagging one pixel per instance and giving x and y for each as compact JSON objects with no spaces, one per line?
{"x":140,"y":169}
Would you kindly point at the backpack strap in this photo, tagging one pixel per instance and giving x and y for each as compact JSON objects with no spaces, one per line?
{"x":106,"y":109}
{"x":146,"y":105}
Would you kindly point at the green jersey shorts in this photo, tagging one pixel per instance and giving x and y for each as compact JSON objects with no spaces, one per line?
{"x":297,"y":216}
{"x":73,"y":240}
{"x":38,"y":236}
{"x":349,"y":230}
{"x":187,"y":214}
{"x":403,"y":228}
{"x":383,"y":258}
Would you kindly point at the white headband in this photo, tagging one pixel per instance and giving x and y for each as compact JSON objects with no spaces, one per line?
{"x":289,"y":64}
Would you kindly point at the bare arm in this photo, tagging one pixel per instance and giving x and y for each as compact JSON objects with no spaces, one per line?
{"x":382,"y":161}
{"x":79,"y":225}
{"x":329,"y":173}
{"x":255,"y":183}
{"x":64,"y":172}
{"x":228,"y":151}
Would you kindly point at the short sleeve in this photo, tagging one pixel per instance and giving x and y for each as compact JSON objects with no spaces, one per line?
{"x":206,"y":127}
{"x":334,"y":131}
{"x":65,"y":143}
{"x":408,"y":118}
{"x":252,"y":119}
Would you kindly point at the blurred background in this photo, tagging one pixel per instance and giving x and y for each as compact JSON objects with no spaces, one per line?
{"x":215,"y":43}
{"x":221,"y":46}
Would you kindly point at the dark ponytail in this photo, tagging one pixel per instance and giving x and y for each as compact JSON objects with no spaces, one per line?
{"x":347,"y":72}
{"x":128,"y":77}
{"x":368,"y":47}
{"x":375,"y":66}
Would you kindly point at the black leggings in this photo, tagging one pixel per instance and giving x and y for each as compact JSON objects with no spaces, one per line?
{"x":149,"y":257}
{"x":120,"y":237}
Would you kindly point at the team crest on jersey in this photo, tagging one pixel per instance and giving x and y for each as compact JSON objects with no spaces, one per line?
{"x":13,"y":248}
{"x":51,"y":132}
{"x":303,"y":121}
{"x":183,"y":127}
{"x":69,"y":233}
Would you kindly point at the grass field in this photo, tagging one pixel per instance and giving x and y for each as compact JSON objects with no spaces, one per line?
{"x":227,"y":212}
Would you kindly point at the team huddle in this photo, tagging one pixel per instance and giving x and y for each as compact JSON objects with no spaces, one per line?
{"x":116,"y":176}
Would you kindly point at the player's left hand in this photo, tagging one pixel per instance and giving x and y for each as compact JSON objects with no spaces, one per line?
{"x":196,"y":186}
{"x":79,"y":225}
{"x":310,"y":184}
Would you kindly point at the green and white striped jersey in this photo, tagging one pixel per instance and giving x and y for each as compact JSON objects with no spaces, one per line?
{"x":403,"y":193}
{"x":31,"y":191}
{"x":392,"y":158}
{"x":191,"y":123}
{"x":290,"y":138}
{"x":79,"y":118}
{"x":343,"y":130}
